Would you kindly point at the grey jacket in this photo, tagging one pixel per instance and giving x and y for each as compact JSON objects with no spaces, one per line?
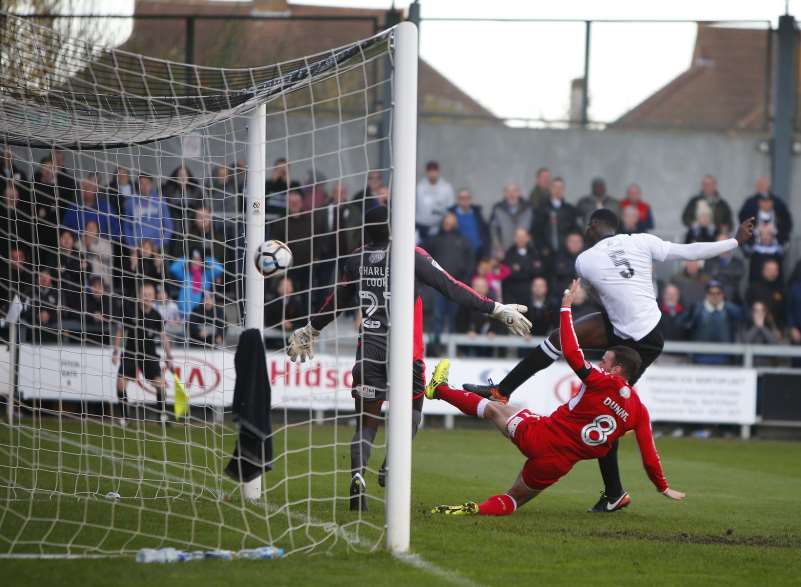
{"x":504,"y":222}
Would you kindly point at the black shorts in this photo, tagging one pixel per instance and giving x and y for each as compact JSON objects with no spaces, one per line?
{"x":371,"y":373}
{"x":149,"y":366}
{"x":649,"y":347}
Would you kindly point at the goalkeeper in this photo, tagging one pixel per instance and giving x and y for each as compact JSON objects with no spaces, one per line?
{"x":365,"y":278}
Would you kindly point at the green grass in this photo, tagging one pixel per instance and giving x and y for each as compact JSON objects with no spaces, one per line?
{"x":741,"y":523}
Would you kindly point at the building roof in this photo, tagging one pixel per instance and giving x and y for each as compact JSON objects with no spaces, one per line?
{"x":724,"y":87}
{"x":241,"y":43}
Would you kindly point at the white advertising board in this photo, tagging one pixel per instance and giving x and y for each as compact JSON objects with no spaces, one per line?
{"x":676,"y":394}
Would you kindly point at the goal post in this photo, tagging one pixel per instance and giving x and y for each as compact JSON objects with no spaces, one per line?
{"x":404,"y":164}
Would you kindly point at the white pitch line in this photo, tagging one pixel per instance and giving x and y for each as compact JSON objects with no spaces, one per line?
{"x":418,"y":562}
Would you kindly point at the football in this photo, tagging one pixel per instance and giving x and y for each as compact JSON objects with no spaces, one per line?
{"x":272,"y":258}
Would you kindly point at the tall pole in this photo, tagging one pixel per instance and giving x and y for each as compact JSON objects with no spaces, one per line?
{"x":254,"y":236}
{"x":784,"y":106}
{"x":585,"y":85}
{"x":404,"y":151}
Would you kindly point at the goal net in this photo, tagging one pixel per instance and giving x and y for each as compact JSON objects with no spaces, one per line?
{"x":133,"y":195}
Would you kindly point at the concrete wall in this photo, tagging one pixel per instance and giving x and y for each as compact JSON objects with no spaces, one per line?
{"x":668,"y":165}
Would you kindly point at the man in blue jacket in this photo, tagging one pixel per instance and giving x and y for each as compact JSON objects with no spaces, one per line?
{"x":92,"y":207}
{"x":147,"y":216}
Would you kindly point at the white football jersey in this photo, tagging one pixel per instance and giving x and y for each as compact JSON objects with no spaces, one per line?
{"x":620,"y":269}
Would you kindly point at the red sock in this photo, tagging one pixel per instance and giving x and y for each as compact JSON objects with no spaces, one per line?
{"x":464,"y":400}
{"x":498,"y":505}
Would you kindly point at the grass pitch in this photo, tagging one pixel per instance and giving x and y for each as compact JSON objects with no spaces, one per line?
{"x":741,"y":522}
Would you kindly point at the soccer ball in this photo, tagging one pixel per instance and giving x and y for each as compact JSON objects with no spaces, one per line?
{"x":273,"y":257}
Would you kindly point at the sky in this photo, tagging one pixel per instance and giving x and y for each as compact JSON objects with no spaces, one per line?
{"x":523,"y":70}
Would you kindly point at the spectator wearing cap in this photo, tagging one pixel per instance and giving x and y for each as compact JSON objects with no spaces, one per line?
{"x":508,"y":215}
{"x":645,"y":218}
{"x":714,"y":319}
{"x":541,"y":191}
{"x":147,"y":216}
{"x":721,"y":211}
{"x":597,"y":198}
{"x":196,"y":276}
{"x":553,"y":220}
{"x":768,"y":209}
{"x":471,"y":222}
{"x":434,"y":197}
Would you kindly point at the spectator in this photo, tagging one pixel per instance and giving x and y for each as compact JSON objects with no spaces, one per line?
{"x":673,"y":318}
{"x":494,"y":272}
{"x":564,"y":264}
{"x":713,"y":320}
{"x":434,"y":197}
{"x":768,"y":209}
{"x":239,"y":169}
{"x":769,"y":289}
{"x":382,"y":196}
{"x":765,"y":248}
{"x":205,"y":235}
{"x":276,"y":189}
{"x":170,"y":313}
{"x":197,"y":277}
{"x":71,"y":270}
{"x":553,"y":220}
{"x":455,"y":254}
{"x":543,"y":313}
{"x":582,"y":304}
{"x":182,"y":194}
{"x":763,"y":328}
{"x":207,"y":322}
{"x":630,"y":221}
{"x":729,"y":269}
{"x":98,"y":253}
{"x":721,"y":212}
{"x":45,"y":199}
{"x":10,"y":170}
{"x":692,"y":283}
{"x":16,"y":224}
{"x":296,"y":231}
{"x":525,"y":263}
{"x":595,"y":200}
{"x":43,"y":307}
{"x":17,"y":278}
{"x":120,"y":190}
{"x":221,"y":197}
{"x":314,"y":194}
{"x":97,"y":310}
{"x":541,"y":192}
{"x":64,"y":181}
{"x":367,"y":195}
{"x":147,"y":216}
{"x":508,"y":215}
{"x":92,"y":207}
{"x":645,"y":220}
{"x":475,"y":323}
{"x":471,"y":222}
{"x":702,"y":229}
{"x":284,"y":308}
{"x":794,"y":305}
{"x":337,"y":224}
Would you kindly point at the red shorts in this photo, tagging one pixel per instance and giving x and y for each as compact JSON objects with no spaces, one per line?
{"x":544,"y":466}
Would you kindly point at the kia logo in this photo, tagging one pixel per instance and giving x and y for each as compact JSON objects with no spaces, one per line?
{"x":198,"y":376}
{"x":566,"y":388}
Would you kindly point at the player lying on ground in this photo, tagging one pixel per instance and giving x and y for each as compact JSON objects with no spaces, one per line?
{"x":140,"y":325}
{"x":363,"y":283}
{"x":619,"y":268}
{"x":605,"y":408}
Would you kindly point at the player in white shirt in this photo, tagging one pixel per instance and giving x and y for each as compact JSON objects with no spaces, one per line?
{"x":619,"y":267}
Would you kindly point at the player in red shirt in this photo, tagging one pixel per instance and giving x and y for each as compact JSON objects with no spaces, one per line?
{"x":605,"y":408}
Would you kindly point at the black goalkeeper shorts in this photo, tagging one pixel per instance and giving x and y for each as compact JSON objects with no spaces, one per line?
{"x":371,"y":373}
{"x":649,"y":347}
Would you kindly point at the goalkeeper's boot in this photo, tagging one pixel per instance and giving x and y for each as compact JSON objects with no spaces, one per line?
{"x":469,"y":508}
{"x":605,"y":505}
{"x":439,"y":377}
{"x":489,"y":391}
{"x":358,"y":494}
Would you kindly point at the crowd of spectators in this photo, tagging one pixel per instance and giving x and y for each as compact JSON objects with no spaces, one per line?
{"x":73,"y":247}
{"x":523,"y":251}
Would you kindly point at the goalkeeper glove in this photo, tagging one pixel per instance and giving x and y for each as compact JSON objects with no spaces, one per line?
{"x":301,"y":343}
{"x":512,"y":316}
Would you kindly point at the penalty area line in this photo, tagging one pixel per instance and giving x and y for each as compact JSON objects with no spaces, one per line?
{"x":418,"y":562}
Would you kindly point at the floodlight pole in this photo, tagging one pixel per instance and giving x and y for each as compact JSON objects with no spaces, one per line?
{"x":254,"y":235}
{"x":784,"y":107}
{"x":402,"y":198}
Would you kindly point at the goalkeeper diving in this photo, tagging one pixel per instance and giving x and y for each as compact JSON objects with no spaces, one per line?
{"x":364,"y":283}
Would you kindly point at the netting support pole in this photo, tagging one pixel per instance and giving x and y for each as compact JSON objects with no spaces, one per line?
{"x":404,"y":153}
{"x":254,"y":233}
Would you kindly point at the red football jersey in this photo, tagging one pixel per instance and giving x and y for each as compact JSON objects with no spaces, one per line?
{"x":605,"y":408}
